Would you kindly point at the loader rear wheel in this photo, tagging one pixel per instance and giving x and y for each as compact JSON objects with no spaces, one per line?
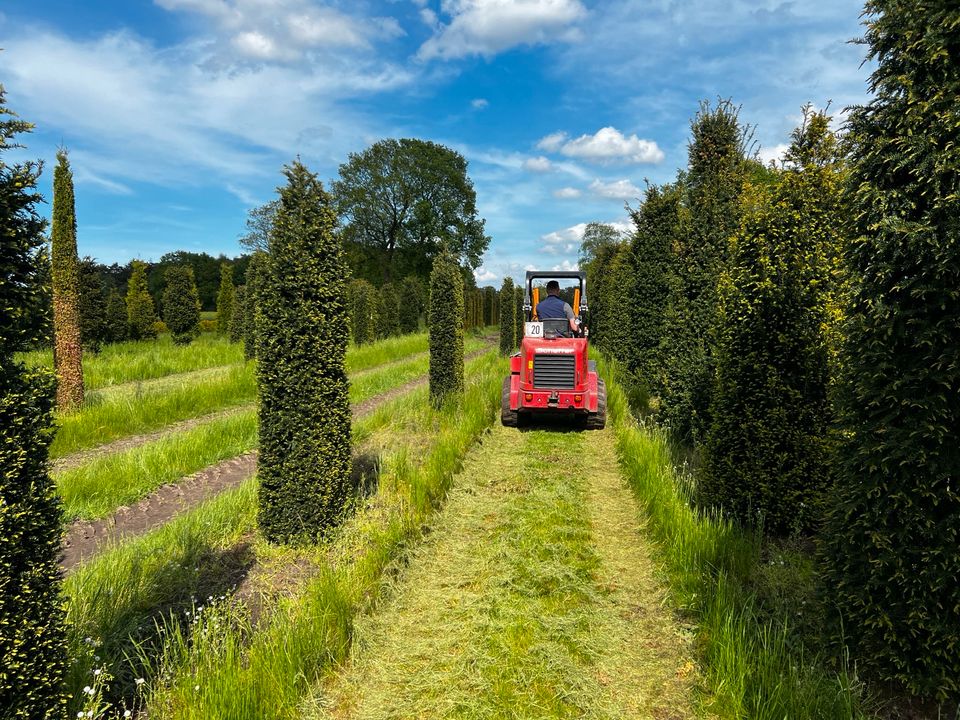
{"x":507,"y":416}
{"x":598,"y":420}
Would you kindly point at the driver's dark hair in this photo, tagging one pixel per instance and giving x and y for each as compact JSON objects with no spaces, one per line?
{"x":553,"y":286}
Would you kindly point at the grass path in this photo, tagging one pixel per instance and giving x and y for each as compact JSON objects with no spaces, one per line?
{"x":534,"y":597}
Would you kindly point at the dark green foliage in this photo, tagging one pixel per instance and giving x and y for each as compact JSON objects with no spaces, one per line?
{"x":657,"y":224}
{"x":255,"y":270}
{"x":411,"y":304}
{"x":303,"y":327}
{"x":94,"y":329}
{"x":508,"y":319}
{"x":363,"y":312}
{"x":181,"y":305}
{"x":206,"y":273}
{"x":617,"y":287}
{"x":388,"y":312}
{"x":891,"y":546}
{"x":766,"y":454}
{"x":118,"y":325}
{"x":518,"y":316}
{"x":445,"y":323}
{"x":65,"y":274}
{"x":141,"y":317}
{"x":225,"y":299}
{"x":237,"y":322}
{"x":404,"y":201}
{"x":598,"y":294}
{"x":491,"y":306}
{"x":32,"y":637}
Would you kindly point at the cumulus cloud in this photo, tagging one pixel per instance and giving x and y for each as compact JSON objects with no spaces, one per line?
{"x":481,"y":274}
{"x":552,"y":142}
{"x":563,"y":242}
{"x":775,"y":153}
{"x":487,"y":27}
{"x":479,"y":103}
{"x":538,"y":164}
{"x":616,"y":190}
{"x":607,"y":145}
{"x":567,"y":193}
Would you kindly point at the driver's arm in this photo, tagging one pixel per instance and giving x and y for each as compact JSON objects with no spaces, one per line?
{"x":571,"y":318}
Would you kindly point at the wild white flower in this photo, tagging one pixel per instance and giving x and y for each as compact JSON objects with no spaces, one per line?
{"x":139,"y":681}
{"x":97,"y":671}
{"x":88,"y":690}
{"x":196,"y":687}
{"x":80,"y":714}
{"x":127,"y":713}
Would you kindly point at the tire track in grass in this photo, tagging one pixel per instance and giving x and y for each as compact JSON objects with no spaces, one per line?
{"x":84,"y":538}
{"x":535,"y":596}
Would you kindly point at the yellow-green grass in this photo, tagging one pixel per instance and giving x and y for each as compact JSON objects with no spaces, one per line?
{"x":117,"y":598}
{"x":753,"y":665}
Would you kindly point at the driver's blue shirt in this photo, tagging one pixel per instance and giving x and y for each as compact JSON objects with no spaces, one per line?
{"x":553,"y":308}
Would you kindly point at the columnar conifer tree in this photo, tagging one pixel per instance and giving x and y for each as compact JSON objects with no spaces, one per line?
{"x":891,"y":543}
{"x":490,"y":306}
{"x":181,"y":304}
{"x":388,"y":318}
{"x":255,"y":271}
{"x":225,"y":299}
{"x":363,"y":312}
{"x":518,"y":316}
{"x":94,"y":328}
{"x":598,"y":281}
{"x":508,"y":320}
{"x":446,"y":329}
{"x":411,"y":305}
{"x":304,"y":460}
{"x":237,"y":322}
{"x":32,"y":636}
{"x":618,"y":285}
{"x":65,"y":267}
{"x":118,"y":323}
{"x":141,"y":315}
{"x":766,"y":454}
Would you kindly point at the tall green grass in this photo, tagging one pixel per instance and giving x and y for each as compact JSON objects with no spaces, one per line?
{"x":753,"y":664}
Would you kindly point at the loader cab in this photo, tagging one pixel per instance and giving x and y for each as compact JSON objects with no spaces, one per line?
{"x":573,"y":291}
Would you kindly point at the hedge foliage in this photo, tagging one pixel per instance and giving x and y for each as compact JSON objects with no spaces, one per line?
{"x":411,"y":304}
{"x":94,"y":327}
{"x":766,"y":455}
{"x":388,"y":312}
{"x":363,"y":312}
{"x":304,"y":462}
{"x":519,"y":317}
{"x":491,"y":306}
{"x":891,"y":549}
{"x":181,"y":304}
{"x":65,"y":274}
{"x":141,"y":315}
{"x":255,"y":270}
{"x":237,"y":322}
{"x":118,"y":321}
{"x":32,"y":636}
{"x":508,"y":318}
{"x":445,"y":323}
{"x":226,"y":297}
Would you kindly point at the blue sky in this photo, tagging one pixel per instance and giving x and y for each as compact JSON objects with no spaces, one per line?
{"x":179,"y":114}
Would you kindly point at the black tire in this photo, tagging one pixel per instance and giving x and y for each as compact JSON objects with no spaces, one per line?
{"x":598,"y":420}
{"x":507,"y":416}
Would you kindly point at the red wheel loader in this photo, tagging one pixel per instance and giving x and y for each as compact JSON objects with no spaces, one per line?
{"x":552,"y":374}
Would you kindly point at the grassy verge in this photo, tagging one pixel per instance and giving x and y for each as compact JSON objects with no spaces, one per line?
{"x":752,"y":663}
{"x":230,"y":670}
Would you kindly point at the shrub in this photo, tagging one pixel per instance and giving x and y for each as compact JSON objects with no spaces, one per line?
{"x":208,"y":326}
{"x":181,"y":304}
{"x":411,"y":304}
{"x":620,"y":334}
{"x":32,"y":636}
{"x":508,"y":320}
{"x":94,"y":328}
{"x":446,"y":329}
{"x":388,"y":312}
{"x":363,"y":312}
{"x":491,"y":311}
{"x":238,"y":321}
{"x":118,"y":324}
{"x":141,"y":316}
{"x":225,"y":299}
{"x":255,"y":272}
{"x":303,"y":327}
{"x":890,"y":548}
{"x":65,"y":271}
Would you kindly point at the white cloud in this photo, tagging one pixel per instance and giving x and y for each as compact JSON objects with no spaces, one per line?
{"x":552,"y":142}
{"x":775,"y":153}
{"x":566,"y":266}
{"x":479,"y":103}
{"x":567,"y":193}
{"x":481,"y":274}
{"x":616,"y":190}
{"x":563,"y":242}
{"x":538,"y":164}
{"x":610,"y":145}
{"x":487,"y":27}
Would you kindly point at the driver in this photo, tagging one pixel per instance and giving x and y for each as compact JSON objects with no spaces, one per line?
{"x":552,"y":307}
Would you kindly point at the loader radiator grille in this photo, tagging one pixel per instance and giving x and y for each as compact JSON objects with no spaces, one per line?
{"x":554,"y":371}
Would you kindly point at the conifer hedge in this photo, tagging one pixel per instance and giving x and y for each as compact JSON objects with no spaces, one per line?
{"x":94,"y":328}
{"x":519,"y":317}
{"x":225,"y":299}
{"x":118,"y":322}
{"x":65,"y":272}
{"x":388,"y":312}
{"x":445,"y":322}
{"x":891,"y":545}
{"x":491,"y":310}
{"x":508,"y":319}
{"x":237,"y":322}
{"x":363,"y":312}
{"x":33,"y":656}
{"x":141,"y":316}
{"x":303,"y":328}
{"x":181,"y":304}
{"x":255,"y":271}
{"x":411,"y":304}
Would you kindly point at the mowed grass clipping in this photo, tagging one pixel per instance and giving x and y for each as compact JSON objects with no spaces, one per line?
{"x":532,"y":598}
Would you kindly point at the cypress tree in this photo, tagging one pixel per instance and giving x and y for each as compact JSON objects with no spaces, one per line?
{"x":766,"y":454}
{"x":598,"y":280}
{"x":141,"y":316}
{"x":388,"y":319}
{"x":304,"y":461}
{"x":225,"y":299}
{"x":490,"y":314}
{"x":181,"y":304}
{"x":94,"y":328}
{"x":518,"y":315}
{"x":255,"y":271}
{"x":237,"y":322}
{"x":890,"y":547}
{"x":446,"y":329}
{"x":617,"y":288}
{"x":508,"y":320}
{"x":32,"y":635}
{"x":363,"y":312}
{"x":65,"y":271}
{"x":118,"y":324}
{"x":411,"y":305}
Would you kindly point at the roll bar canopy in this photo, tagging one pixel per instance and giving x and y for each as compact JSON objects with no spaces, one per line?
{"x":554,"y":275}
